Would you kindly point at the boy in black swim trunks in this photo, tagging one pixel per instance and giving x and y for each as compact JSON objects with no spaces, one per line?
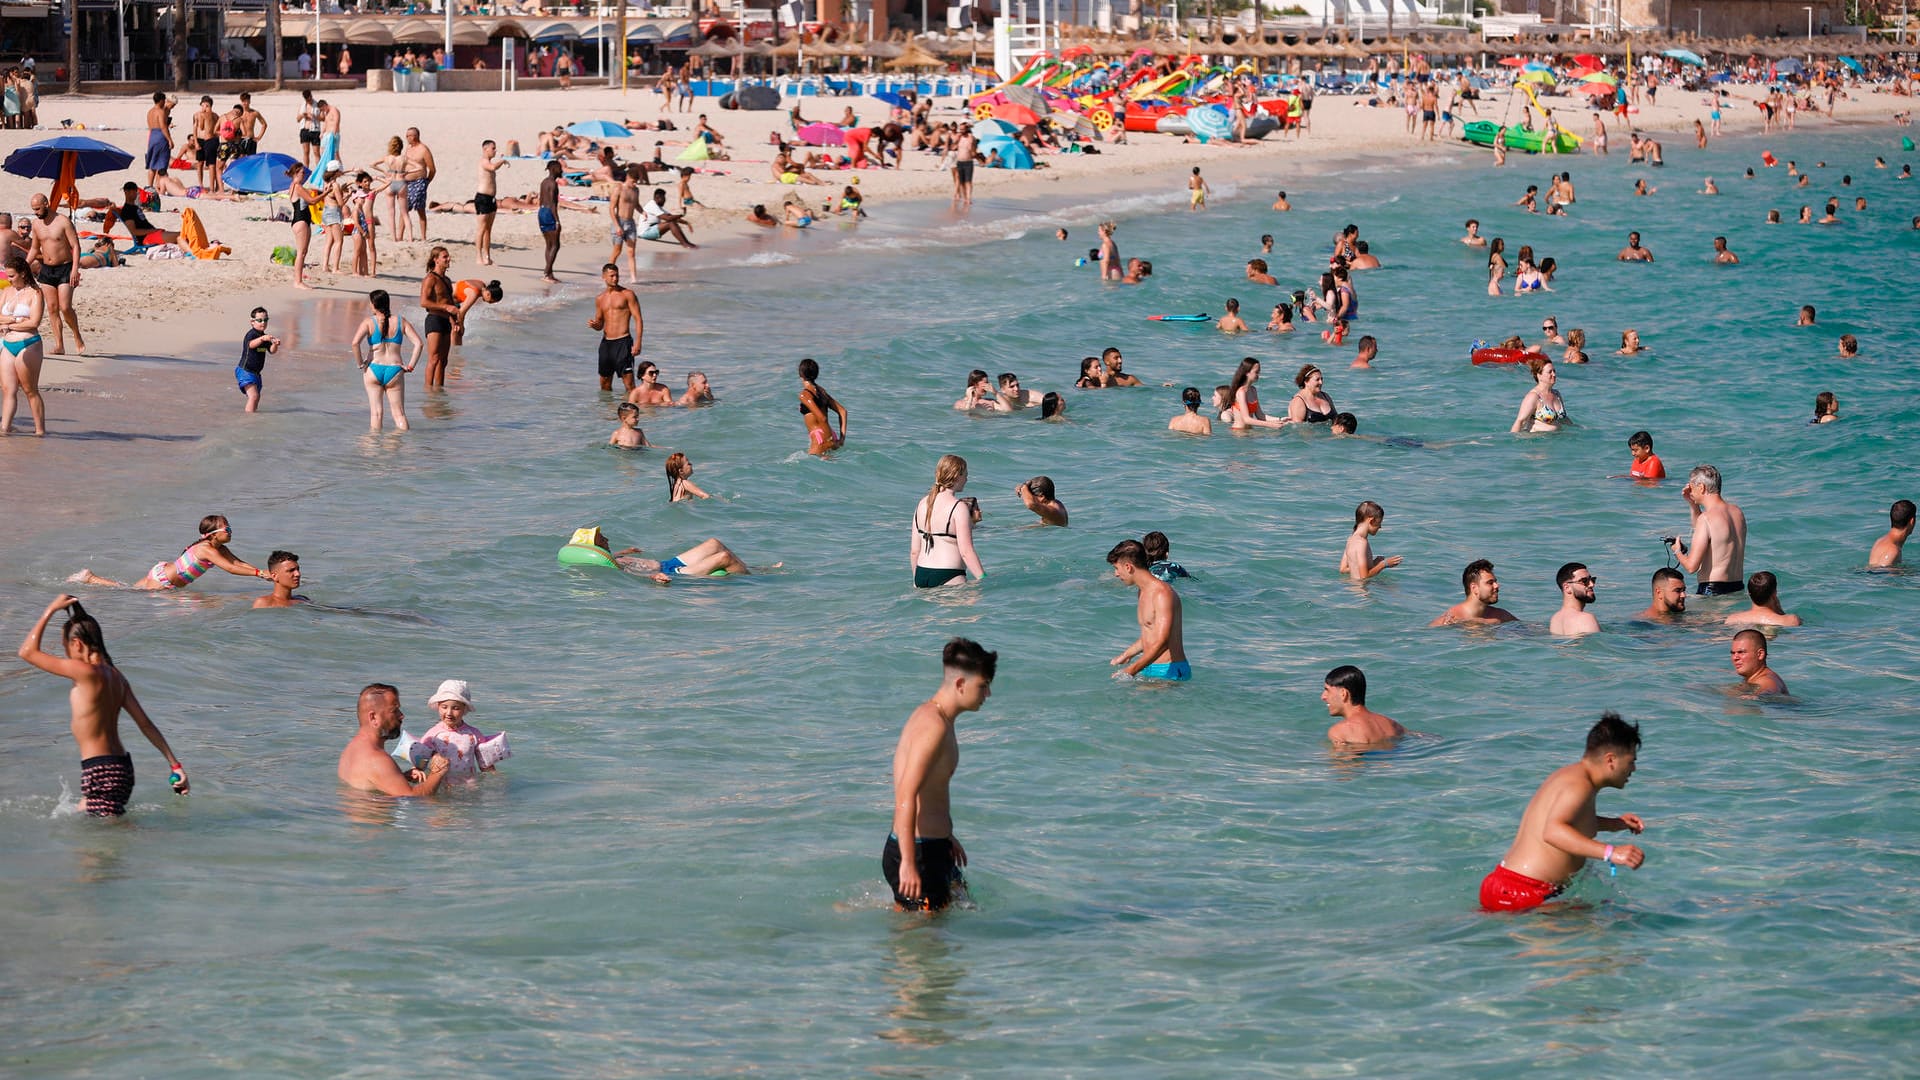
{"x":100,"y":694}
{"x":923,"y":764}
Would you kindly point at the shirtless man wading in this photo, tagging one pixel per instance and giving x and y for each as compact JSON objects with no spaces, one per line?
{"x":1557,"y":830}
{"x":1719,"y":552}
{"x":923,"y":765}
{"x":616,"y":314}
{"x":1159,"y":652}
{"x":365,"y":763}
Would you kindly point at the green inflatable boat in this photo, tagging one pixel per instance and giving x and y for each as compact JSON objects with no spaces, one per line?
{"x":1528,"y":140}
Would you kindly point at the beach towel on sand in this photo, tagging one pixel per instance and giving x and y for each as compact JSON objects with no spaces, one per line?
{"x":193,"y":237}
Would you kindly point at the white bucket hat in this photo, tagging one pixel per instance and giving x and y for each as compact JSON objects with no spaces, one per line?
{"x":452,"y":690}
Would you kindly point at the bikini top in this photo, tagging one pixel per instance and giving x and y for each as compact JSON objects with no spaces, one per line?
{"x":927,"y":538}
{"x":1545,"y":413}
{"x":1315,"y":416}
{"x":820,"y":400}
{"x":384,"y":337}
{"x":20,"y":310}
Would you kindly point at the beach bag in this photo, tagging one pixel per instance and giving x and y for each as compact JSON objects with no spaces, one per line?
{"x":283,"y":255}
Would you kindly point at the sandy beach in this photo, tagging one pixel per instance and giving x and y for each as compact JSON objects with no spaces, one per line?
{"x":137,"y":310}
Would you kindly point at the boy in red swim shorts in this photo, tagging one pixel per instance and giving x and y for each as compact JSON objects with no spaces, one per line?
{"x":1556,"y":836}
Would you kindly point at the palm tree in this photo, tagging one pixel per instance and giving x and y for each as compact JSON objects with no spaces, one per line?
{"x":274,"y":48}
{"x":620,"y":45}
{"x":182,"y":20}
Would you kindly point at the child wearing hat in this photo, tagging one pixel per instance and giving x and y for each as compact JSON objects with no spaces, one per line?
{"x":468,"y":751}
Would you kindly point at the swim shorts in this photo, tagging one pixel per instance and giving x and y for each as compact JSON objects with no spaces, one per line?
{"x":1719,"y":588}
{"x":209,"y":152}
{"x":485,"y":204}
{"x":309,"y":137}
{"x":933,"y":857}
{"x":1177,"y":671}
{"x":548,"y":222}
{"x":55,"y":274}
{"x":623,"y":232}
{"x":1427,"y":115}
{"x":673,"y":565}
{"x":616,"y":357}
{"x":436,"y":323}
{"x":106,"y":783}
{"x":963,"y":171}
{"x":932,"y":577}
{"x":1504,"y":890}
{"x":416,"y":196}
{"x":246,"y":378}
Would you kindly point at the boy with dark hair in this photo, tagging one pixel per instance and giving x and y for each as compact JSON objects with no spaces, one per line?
{"x":283,"y":569}
{"x":1886,"y":550}
{"x":1345,"y":693}
{"x":1645,"y":465}
{"x":923,"y":765}
{"x":1159,"y":652}
{"x":1558,"y":828}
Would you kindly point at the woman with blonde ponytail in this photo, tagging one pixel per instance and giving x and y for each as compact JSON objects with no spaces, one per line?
{"x":942,"y":543}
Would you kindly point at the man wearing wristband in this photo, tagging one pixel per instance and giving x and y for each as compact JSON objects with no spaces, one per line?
{"x":1557,"y":830}
{"x":100,"y":694}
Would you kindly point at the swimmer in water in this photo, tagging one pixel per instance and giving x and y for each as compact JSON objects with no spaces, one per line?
{"x":1720,"y":253}
{"x":648,"y":391}
{"x":1558,"y":828}
{"x":1369,"y":352}
{"x":1282,"y":320}
{"x":1543,"y":409}
{"x":924,"y":761}
{"x":1669,"y":596}
{"x":1358,"y":561}
{"x":1345,"y":692}
{"x":382,"y":372}
{"x":1807,"y":315}
{"x":1158,"y":653}
{"x":1578,"y":588}
{"x":979,"y":393}
{"x":1310,"y":404}
{"x":1633,"y":252}
{"x":1244,"y":399}
{"x":1037,"y":495}
{"x":1849,"y":346}
{"x":100,"y":694}
{"x":698,"y":391}
{"x":202,"y":555}
{"x":283,"y":569}
{"x":1749,"y":653}
{"x":1629,"y":344}
{"x":1231,"y":322}
{"x":1257,"y":271}
{"x":1709,"y":188}
{"x":701,"y":560}
{"x":680,"y":485}
{"x":1473,"y":237}
{"x":1826,"y":408}
{"x":815,"y":405}
{"x":1483,"y":592}
{"x":628,"y":435}
{"x":1886,"y":550}
{"x":1764,"y":590}
{"x":1189,"y":421}
{"x":367,"y":766}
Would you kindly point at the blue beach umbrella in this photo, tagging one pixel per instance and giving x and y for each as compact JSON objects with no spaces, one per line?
{"x":262,"y":174}
{"x":1684,"y":56}
{"x":599,"y":129}
{"x":1789,"y":66}
{"x":1012,"y":154}
{"x":995,"y":129}
{"x":898,"y":101}
{"x":1535,"y":65}
{"x":44,"y":160}
{"x":1852,"y":63}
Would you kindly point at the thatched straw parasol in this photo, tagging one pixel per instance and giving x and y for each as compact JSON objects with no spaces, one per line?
{"x":914,"y":58}
{"x":883,"y":50}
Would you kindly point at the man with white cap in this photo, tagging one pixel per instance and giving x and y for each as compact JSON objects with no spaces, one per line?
{"x":467,"y":750}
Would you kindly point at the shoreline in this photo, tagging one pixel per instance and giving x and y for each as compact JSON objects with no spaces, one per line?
{"x":109,"y":395}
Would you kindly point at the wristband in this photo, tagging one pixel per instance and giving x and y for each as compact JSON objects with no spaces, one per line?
{"x":1607,"y":855}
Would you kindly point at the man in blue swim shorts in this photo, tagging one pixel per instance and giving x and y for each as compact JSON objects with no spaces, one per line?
{"x":550,"y":216}
{"x":1159,"y":652}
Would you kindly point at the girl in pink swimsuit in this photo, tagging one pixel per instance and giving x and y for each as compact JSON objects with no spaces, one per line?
{"x":183,"y":570}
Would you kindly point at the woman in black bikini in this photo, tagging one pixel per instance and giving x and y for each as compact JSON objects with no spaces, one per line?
{"x":942,"y":546}
{"x":1310,"y":405}
{"x":815,"y":403}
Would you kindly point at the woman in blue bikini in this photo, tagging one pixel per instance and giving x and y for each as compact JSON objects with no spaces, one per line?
{"x":382,"y":371}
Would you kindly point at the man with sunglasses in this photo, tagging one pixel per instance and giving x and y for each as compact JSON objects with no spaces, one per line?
{"x":1576,"y":584}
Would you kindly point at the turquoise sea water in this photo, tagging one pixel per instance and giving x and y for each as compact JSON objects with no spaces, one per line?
{"x":677,"y":872}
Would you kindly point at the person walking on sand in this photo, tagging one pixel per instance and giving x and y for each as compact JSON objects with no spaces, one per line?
{"x":382,"y":371}
{"x":22,"y":306}
{"x":100,"y":694}
{"x":330,"y":139}
{"x":159,"y":139}
{"x":53,"y":247}
{"x":418,"y":171}
{"x":549,"y":217}
{"x":1558,"y":828}
{"x":924,"y":761}
{"x":965,"y":150}
{"x":485,"y":203}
